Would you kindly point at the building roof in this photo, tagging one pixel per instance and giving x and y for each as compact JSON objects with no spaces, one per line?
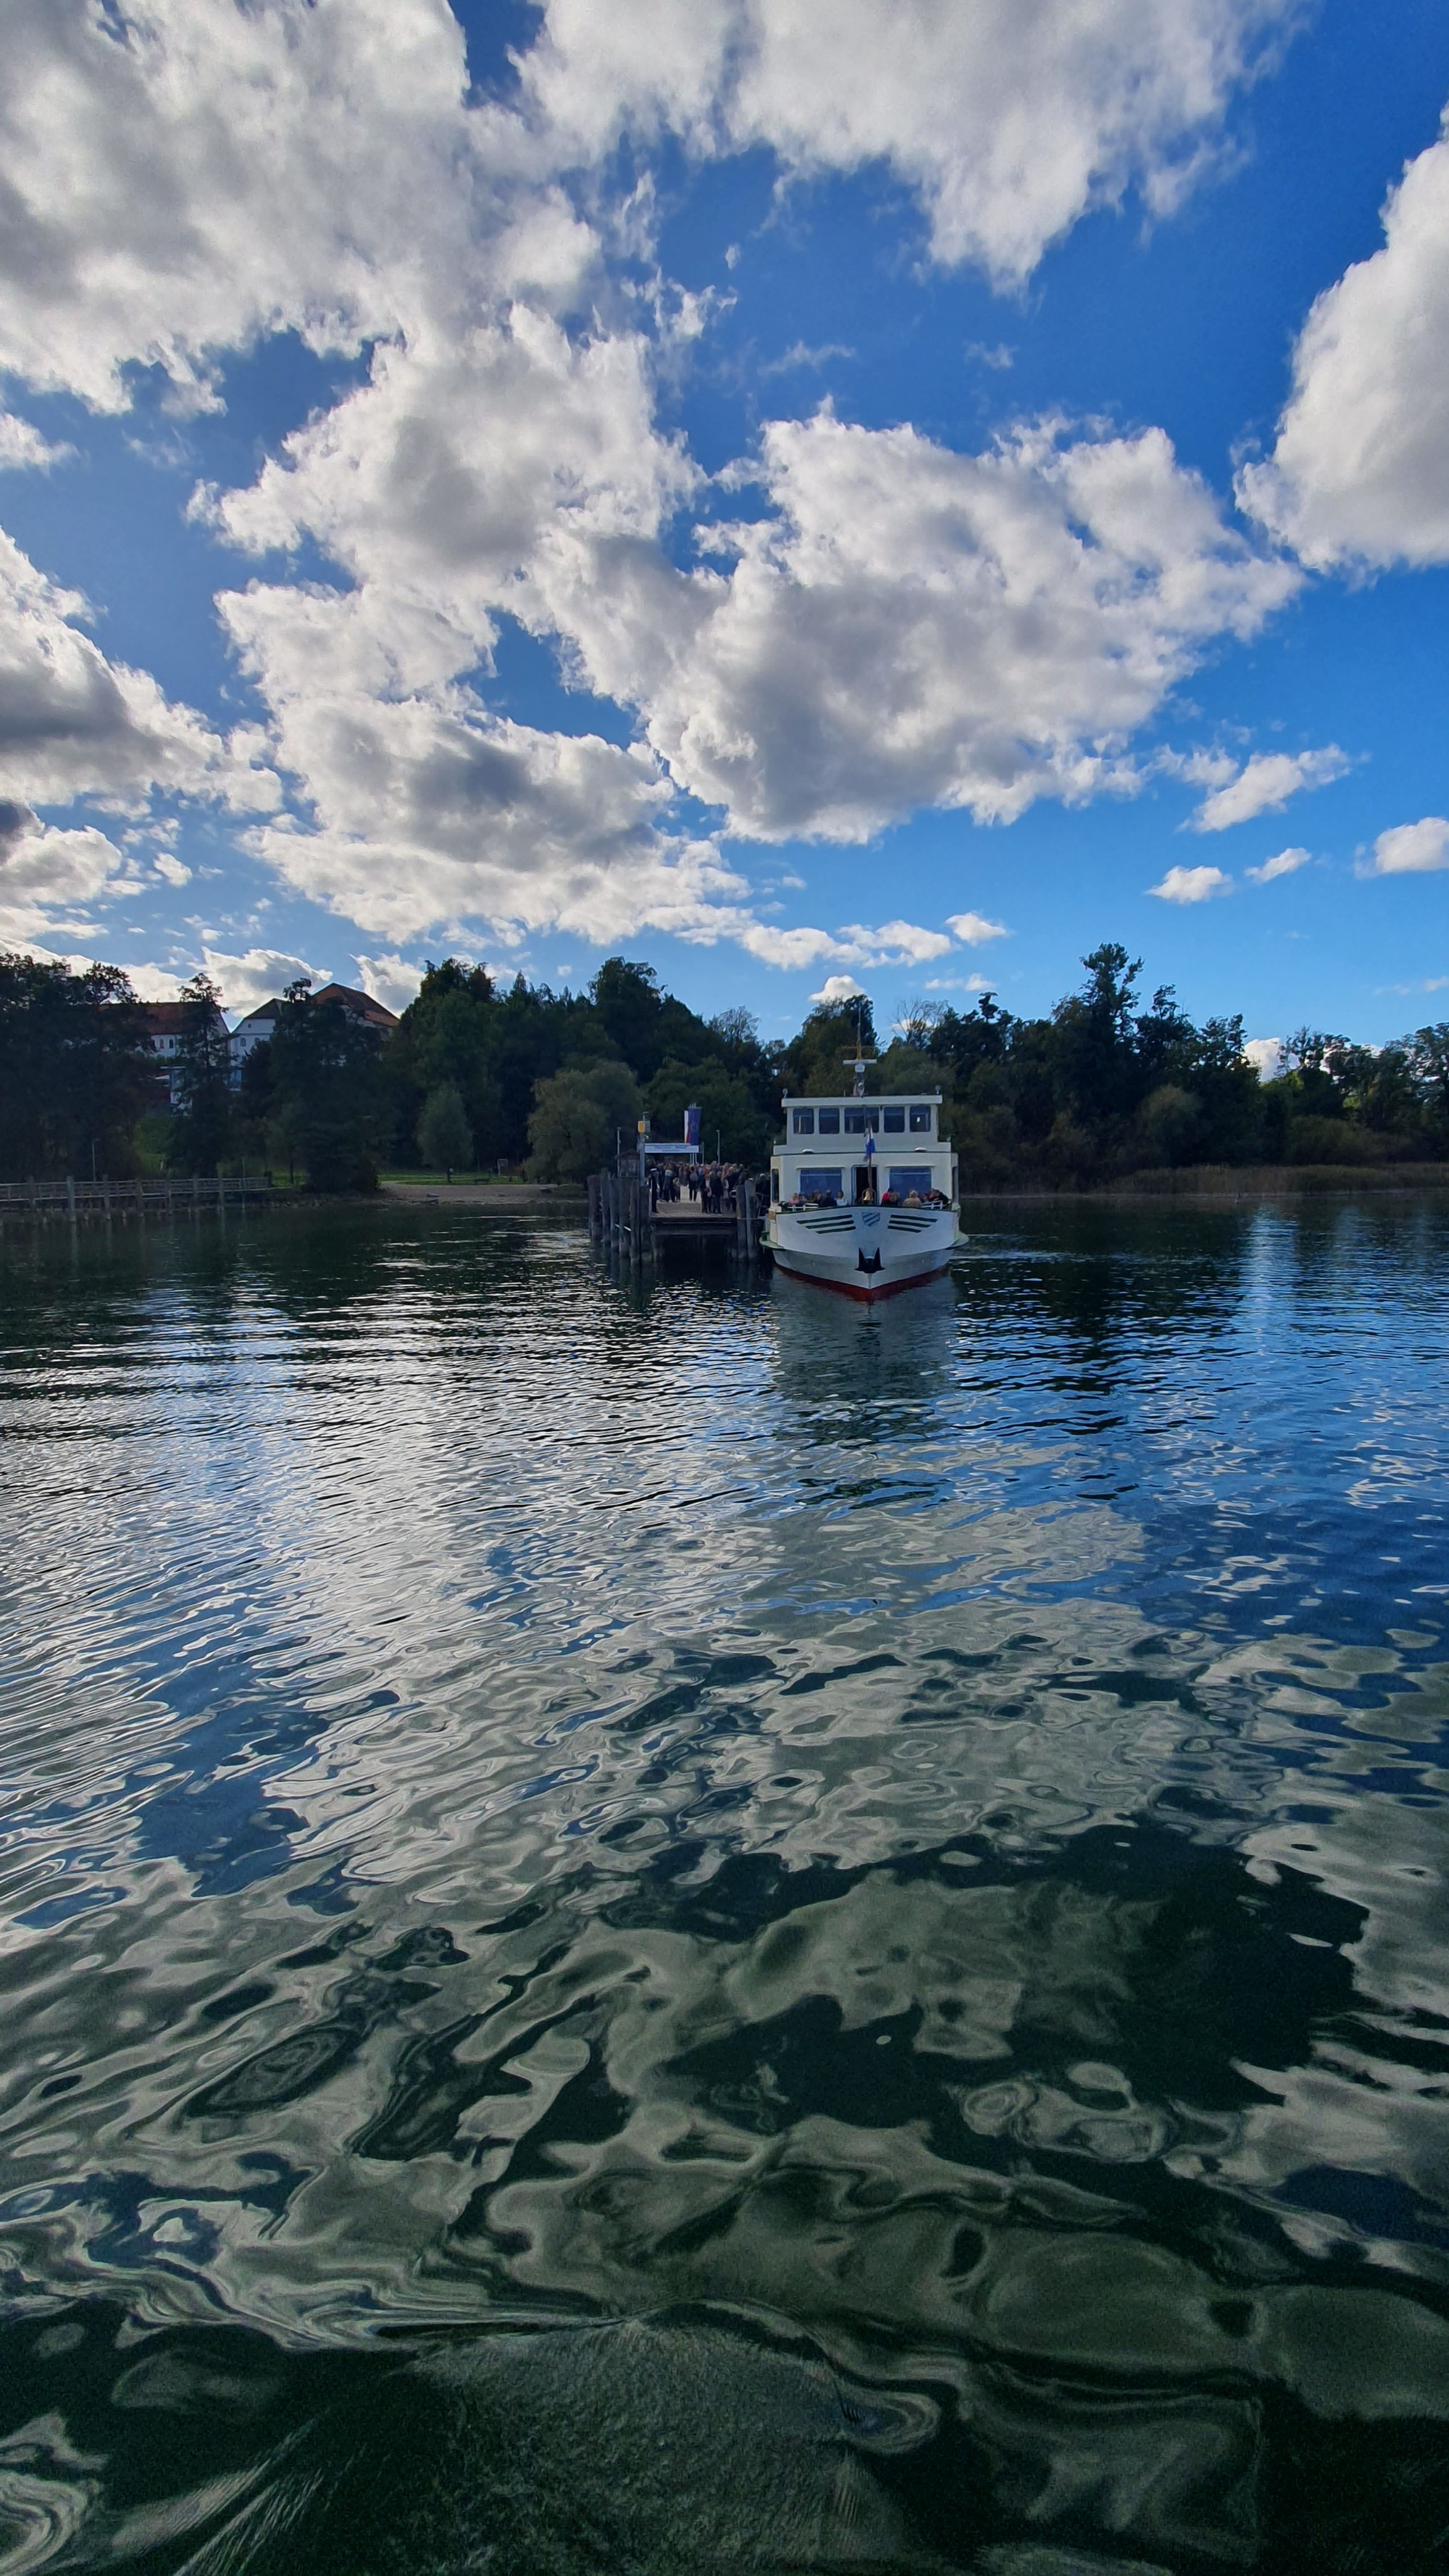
{"x":166,"y":1019}
{"x":361,"y":1005}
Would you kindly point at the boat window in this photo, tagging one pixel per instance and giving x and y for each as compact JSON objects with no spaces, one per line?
{"x":903,"y":1178}
{"x":855,"y":1122}
{"x":821,"y":1185}
{"x":802,"y":1122}
{"x":920,"y":1121}
{"x":829,"y":1122}
{"x":894,"y":1122}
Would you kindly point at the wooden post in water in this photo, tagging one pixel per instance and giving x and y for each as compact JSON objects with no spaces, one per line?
{"x":596,"y":1223}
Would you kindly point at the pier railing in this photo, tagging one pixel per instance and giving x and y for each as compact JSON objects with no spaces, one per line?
{"x":75,"y":1199}
{"x":620,"y":1215}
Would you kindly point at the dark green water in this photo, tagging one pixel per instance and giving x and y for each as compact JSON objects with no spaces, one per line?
{"x":695,"y":1929}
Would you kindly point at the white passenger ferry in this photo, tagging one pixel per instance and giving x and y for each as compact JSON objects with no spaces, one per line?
{"x":864,"y":1194}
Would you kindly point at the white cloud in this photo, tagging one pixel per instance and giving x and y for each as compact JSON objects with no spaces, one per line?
{"x":973,"y":928}
{"x":910,"y":943}
{"x":909,"y":627}
{"x":1264,"y":784}
{"x":48,"y":876}
{"x":839,"y":988}
{"x":73,"y":724}
{"x":895,"y":943}
{"x":905,"y":626}
{"x":256,"y":974}
{"x":1411,"y":849}
{"x":1360,"y":470}
{"x":1192,"y":885}
{"x":173,"y":871}
{"x":22,"y":446}
{"x":1284,"y":863}
{"x":449,"y":485}
{"x":1011,"y":118}
{"x":184,"y":176}
{"x":916,"y":627}
{"x":392,"y":980}
{"x":1267,"y":1055}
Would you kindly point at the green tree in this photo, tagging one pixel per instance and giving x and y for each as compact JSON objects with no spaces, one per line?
{"x":578,"y":1112}
{"x":1096,"y":1070}
{"x":327,"y":1094}
{"x":200,"y":1133}
{"x":1170,"y":1123}
{"x":445,"y":1138}
{"x":814,"y":1063}
{"x":727,"y":1109}
{"x":76,"y":1069}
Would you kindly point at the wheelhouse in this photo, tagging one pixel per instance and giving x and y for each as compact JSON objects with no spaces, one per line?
{"x":852,"y":1152}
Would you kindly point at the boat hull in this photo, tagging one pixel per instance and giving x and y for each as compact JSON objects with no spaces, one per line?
{"x":864,"y":1253}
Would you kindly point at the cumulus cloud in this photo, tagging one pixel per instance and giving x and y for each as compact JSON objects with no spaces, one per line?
{"x":1191,"y":885}
{"x":1266,"y":1054}
{"x":48,"y":876}
{"x":471,"y":473}
{"x":910,"y":626}
{"x":906,"y":626}
{"x":73,"y":724}
{"x":1411,"y":849}
{"x":902,"y":626}
{"x":183,"y":176}
{"x":1264,"y":785}
{"x":255,"y":975}
{"x":1360,"y":469}
{"x":391,"y":980}
{"x":1284,"y":863}
{"x":1011,"y":118}
{"x":973,"y":928}
{"x":839,"y":988}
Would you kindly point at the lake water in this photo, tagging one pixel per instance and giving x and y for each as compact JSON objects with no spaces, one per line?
{"x":690,"y":1928}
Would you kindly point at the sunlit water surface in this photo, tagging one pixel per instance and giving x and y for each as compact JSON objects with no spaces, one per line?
{"x":682,"y":1928}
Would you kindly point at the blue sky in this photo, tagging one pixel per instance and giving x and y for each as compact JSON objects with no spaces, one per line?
{"x":884,"y":497}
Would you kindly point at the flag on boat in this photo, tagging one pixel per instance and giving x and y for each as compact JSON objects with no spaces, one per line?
{"x":870,"y":1149}
{"x":691,"y":1126}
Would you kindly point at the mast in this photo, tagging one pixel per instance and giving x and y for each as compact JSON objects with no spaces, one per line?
{"x":860,"y":1059}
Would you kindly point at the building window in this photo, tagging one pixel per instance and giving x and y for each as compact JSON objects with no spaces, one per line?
{"x":803,"y":1122}
{"x":920,"y":1121}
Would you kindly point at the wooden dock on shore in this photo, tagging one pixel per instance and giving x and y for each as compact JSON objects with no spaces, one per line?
{"x":621,"y":1217}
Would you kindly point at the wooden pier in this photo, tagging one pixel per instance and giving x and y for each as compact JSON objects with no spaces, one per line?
{"x":621,"y":1217}
{"x":72,"y":1202}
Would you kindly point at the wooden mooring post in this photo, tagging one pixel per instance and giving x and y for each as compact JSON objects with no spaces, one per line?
{"x":622,"y":1219}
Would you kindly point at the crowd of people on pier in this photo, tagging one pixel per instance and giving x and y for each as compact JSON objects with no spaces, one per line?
{"x":709,"y":1186}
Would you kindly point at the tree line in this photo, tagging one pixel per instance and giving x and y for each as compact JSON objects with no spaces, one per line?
{"x":480,"y":1074}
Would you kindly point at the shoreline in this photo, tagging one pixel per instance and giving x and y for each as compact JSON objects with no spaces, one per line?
{"x":1226,"y":1183}
{"x":508,"y":1198}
